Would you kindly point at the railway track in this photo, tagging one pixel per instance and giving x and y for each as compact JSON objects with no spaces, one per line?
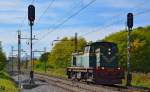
{"x":70,"y":86}
{"x":74,"y":86}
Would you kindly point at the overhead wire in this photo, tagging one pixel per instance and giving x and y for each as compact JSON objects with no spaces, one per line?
{"x":70,"y":11}
{"x":114,"y":22}
{"x":24,"y":18}
{"x":67,"y":19}
{"x":22,"y":22}
{"x":106,"y":26}
{"x":72,"y":8}
{"x":50,"y":4}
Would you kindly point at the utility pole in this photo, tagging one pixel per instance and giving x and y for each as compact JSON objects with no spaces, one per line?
{"x":76,"y":42}
{"x":45,"y":60}
{"x":12,"y":62}
{"x":31,"y":18}
{"x":25,"y":51}
{"x":26,"y":60}
{"x":35,"y":51}
{"x":19,"y":57}
{"x":130,"y":25}
{"x":12,"y":57}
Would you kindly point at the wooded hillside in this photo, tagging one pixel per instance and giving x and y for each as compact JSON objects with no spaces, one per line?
{"x":140,"y":51}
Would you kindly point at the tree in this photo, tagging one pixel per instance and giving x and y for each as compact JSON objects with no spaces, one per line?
{"x":2,"y":59}
{"x":61,"y":53}
{"x":44,"y":57}
{"x":140,"y":48}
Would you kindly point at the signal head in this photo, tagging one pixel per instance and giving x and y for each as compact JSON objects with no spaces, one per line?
{"x":130,"y":20}
{"x":31,"y":13}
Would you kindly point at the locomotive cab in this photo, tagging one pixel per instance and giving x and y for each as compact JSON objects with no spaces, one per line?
{"x":107,"y":64}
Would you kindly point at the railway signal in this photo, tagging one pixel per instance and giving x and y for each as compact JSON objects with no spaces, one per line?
{"x":130,"y":20}
{"x":31,"y":13}
{"x":31,"y":18}
{"x":130,"y":25}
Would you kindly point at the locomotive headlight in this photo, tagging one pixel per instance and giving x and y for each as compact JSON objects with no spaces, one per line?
{"x":109,"y":53}
{"x":118,"y":68}
{"x":103,"y":68}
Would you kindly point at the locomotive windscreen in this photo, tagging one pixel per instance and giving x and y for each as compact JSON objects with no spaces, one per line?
{"x":87,"y":49}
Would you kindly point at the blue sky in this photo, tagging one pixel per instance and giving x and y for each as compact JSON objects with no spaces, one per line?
{"x":93,"y":20}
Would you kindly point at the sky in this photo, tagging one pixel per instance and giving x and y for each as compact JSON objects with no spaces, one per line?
{"x":56,"y":19}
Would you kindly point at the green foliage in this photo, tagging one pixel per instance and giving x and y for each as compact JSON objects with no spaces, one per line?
{"x":60,"y":56}
{"x":44,"y":57}
{"x":6,"y":84}
{"x":59,"y":72}
{"x":2,"y":59}
{"x":141,"y":80}
{"x":140,"y":51}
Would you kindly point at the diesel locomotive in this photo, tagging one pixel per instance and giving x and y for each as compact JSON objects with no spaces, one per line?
{"x":98,"y":63}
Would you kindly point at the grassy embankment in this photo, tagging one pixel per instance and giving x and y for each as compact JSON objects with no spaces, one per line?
{"x":53,"y":72}
{"x":56,"y":72}
{"x":6,"y":83}
{"x":141,"y":80}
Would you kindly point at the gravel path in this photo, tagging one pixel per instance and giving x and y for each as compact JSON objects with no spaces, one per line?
{"x":41,"y":86}
{"x":50,"y":86}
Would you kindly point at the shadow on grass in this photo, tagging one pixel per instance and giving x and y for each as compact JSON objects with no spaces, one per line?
{"x":4,"y":76}
{"x":29,"y":86}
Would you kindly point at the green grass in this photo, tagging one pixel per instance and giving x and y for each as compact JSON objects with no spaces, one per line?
{"x":6,"y":84}
{"x":56,"y":72}
{"x":53,"y":72}
{"x":140,"y":79}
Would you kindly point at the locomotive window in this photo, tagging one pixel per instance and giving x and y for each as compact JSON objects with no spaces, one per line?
{"x":87,"y":49}
{"x":92,"y":49}
{"x":74,"y":61}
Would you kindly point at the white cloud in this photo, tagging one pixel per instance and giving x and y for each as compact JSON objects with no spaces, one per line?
{"x":100,"y":33}
{"x":9,"y":4}
{"x":12,"y":12}
{"x":116,"y":3}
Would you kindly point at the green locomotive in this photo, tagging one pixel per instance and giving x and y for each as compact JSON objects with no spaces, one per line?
{"x":98,"y":63}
